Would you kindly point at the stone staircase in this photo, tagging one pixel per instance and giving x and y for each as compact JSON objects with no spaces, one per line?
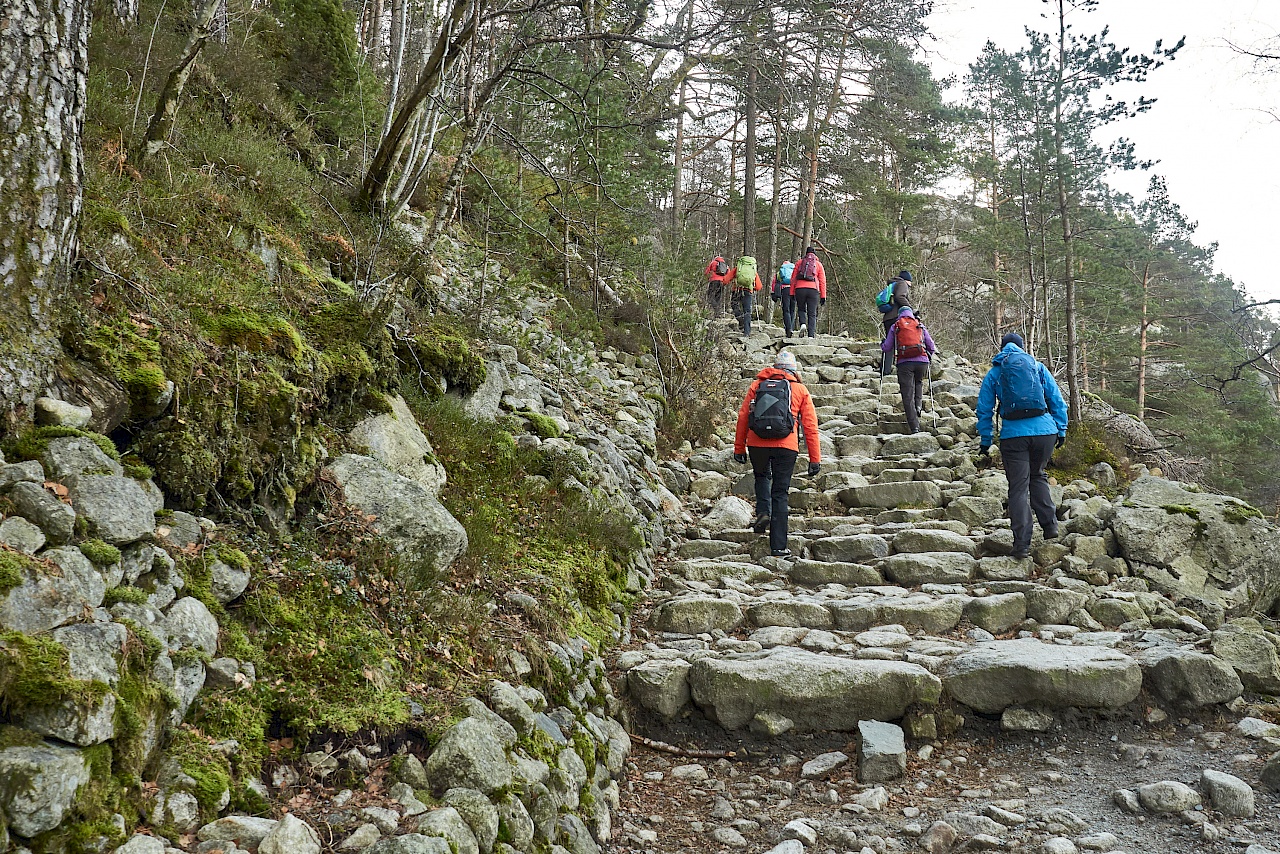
{"x":902,"y":603}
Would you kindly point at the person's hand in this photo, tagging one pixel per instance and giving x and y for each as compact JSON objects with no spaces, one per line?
{"x":740,"y":458}
{"x":777,"y":297}
{"x":985,"y":450}
{"x":822,"y":301}
{"x":1059,"y":442}
{"x":814,"y":468}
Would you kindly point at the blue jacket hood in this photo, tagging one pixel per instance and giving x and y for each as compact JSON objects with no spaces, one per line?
{"x":999,"y":358}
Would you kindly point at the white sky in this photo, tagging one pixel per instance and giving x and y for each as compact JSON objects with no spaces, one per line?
{"x":1209,"y":130}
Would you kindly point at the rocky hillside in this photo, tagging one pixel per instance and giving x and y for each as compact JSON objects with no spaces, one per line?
{"x":171,"y":682}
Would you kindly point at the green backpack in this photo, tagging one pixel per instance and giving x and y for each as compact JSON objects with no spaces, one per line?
{"x":745,"y":278}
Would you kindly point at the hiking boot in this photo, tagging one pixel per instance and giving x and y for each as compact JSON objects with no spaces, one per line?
{"x":781,"y":552}
{"x":1020,"y":554}
{"x":1051,"y":533}
{"x":760,"y":525}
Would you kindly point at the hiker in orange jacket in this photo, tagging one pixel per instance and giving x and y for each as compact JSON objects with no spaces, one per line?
{"x":742,"y":298}
{"x":774,"y":459}
{"x":717,"y":273}
{"x":809,"y":289}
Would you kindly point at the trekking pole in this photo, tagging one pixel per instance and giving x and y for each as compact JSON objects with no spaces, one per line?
{"x":933,"y":407}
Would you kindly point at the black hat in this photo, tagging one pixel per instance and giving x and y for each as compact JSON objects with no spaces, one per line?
{"x":808,"y":249}
{"x":905,"y":275}
{"x":1012,"y":338}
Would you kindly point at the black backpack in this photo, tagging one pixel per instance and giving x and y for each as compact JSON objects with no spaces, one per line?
{"x":722,"y":267}
{"x":770,"y":414}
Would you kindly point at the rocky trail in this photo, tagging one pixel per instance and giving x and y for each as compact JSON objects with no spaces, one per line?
{"x":903,"y":684}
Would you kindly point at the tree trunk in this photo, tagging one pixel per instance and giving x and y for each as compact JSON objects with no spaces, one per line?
{"x":455,"y":35}
{"x":167,"y":103}
{"x":43,"y":73}
{"x":399,"y":28}
{"x":1062,"y":167}
{"x":775,"y":205}
{"x":749,"y":169}
{"x":1142,"y":343}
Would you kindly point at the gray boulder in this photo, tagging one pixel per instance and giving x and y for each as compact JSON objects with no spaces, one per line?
{"x":975,"y":511}
{"x":998,"y":613}
{"x":291,"y":835}
{"x":45,"y":600}
{"x":395,"y":440}
{"x":1052,"y":606}
{"x":38,"y":786}
{"x":1252,"y":651}
{"x":189,"y":623}
{"x":918,"y":493}
{"x":1167,"y":796}
{"x":227,"y":581}
{"x":815,"y":573}
{"x":729,"y":513}
{"x":20,"y":535}
{"x":693,"y":615}
{"x":85,"y":721}
{"x":918,"y":540}
{"x":852,"y":549}
{"x":660,"y":685}
{"x":408,"y":515}
{"x":72,"y":455}
{"x":93,"y":650}
{"x":514,"y":822}
{"x":511,"y":707}
{"x":244,"y":830}
{"x":411,"y":843}
{"x":469,"y":755}
{"x":997,"y":674}
{"x":817,"y":692}
{"x":115,"y":508}
{"x":448,"y":824}
{"x":59,"y":413}
{"x":478,"y":812}
{"x":1199,"y":545}
{"x":484,"y":402}
{"x":1228,"y":794}
{"x":882,"y":752}
{"x":1185,"y":677}
{"x":911,"y":570}
{"x":38,"y":505}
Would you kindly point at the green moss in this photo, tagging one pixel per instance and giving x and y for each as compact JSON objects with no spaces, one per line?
{"x":585,"y":746}
{"x":254,"y":331}
{"x":136,"y":468}
{"x":14,"y":567}
{"x":1181,"y":509}
{"x":12,"y":736}
{"x":33,"y":443}
{"x":124,"y":347}
{"x":544,"y":426}
{"x":100,"y":553}
{"x":1239,"y":513}
{"x":211,"y":770}
{"x":233,"y":558}
{"x":34,"y":672}
{"x":1087,"y":445}
{"x":441,"y":354}
{"x":124,"y":593}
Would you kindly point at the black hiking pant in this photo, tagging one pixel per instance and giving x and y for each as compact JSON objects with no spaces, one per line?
{"x":788,"y":312}
{"x":715,"y":297}
{"x":741,"y":302}
{"x":1025,"y":458}
{"x":911,"y":377}
{"x":773,"y":468}
{"x":807,"y":309}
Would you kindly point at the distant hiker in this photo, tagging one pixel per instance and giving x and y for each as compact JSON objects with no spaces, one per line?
{"x":895,"y":296}
{"x":911,"y":343}
{"x":809,"y":289}
{"x":717,"y":274}
{"x":745,"y":281}
{"x":780,"y":289}
{"x":1033,"y":423}
{"x":776,"y":402}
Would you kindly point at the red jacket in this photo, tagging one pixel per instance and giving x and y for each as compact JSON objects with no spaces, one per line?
{"x":821,"y":284}
{"x":733,"y":274}
{"x":801,"y":408}
{"x":712,"y":275}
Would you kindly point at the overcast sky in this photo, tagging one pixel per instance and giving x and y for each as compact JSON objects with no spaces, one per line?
{"x":1211,"y":128}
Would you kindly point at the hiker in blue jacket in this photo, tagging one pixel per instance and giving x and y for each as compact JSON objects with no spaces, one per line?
{"x":1033,"y":423}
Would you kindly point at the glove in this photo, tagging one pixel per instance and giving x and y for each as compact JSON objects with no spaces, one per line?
{"x":777,"y":297}
{"x":1059,"y":442}
{"x":814,"y":468}
{"x":985,"y":450}
{"x":739,"y":458}
{"x":822,"y":301}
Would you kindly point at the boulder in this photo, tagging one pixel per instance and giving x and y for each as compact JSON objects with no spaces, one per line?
{"x":141,"y":844}
{"x":997,"y":613}
{"x":997,"y":674}
{"x":514,"y":823}
{"x":72,"y":455}
{"x":45,"y":600}
{"x":20,"y":535}
{"x":851,"y":549}
{"x":1228,"y":794}
{"x":448,"y":824}
{"x":815,"y":573}
{"x":59,"y":413}
{"x":729,"y":513}
{"x":484,"y":402}
{"x":916,"y":493}
{"x":38,"y":786}
{"x":918,"y":540}
{"x":291,"y":835}
{"x":395,"y":440}
{"x":511,"y":707}
{"x":1052,"y":606}
{"x":975,"y":511}
{"x":660,"y":685}
{"x":409,"y":516}
{"x":115,"y":508}
{"x":244,"y":830}
{"x":882,"y":752}
{"x":85,"y":720}
{"x":411,"y":843}
{"x":817,"y":692}
{"x":42,"y":508}
{"x":693,"y":615}
{"x":469,"y":755}
{"x":226,"y":581}
{"x":910,"y":445}
{"x":1199,"y":545}
{"x":791,"y":612}
{"x":478,"y":812}
{"x":1252,"y":651}
{"x":1167,"y":796}
{"x":912,"y":570}
{"x":189,"y":624}
{"x":1188,"y":678}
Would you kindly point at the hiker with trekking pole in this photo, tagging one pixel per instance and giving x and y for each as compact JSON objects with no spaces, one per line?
{"x":891,"y":299}
{"x":745,"y":282}
{"x":780,"y":290}
{"x":717,"y":273}
{"x":809,"y":289}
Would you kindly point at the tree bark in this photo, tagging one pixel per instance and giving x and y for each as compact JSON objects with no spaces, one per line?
{"x":775,"y":204}
{"x":1062,"y":167}
{"x":167,"y":103}
{"x":43,"y":74}
{"x":749,"y":169}
{"x":1142,"y":343}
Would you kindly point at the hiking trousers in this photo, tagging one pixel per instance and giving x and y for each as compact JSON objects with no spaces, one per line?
{"x":773,"y":468}
{"x":715,"y":297}
{"x":741,"y":302}
{"x":911,"y":382}
{"x":788,"y":312}
{"x":1025,"y":458}
{"x":807,"y":309}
